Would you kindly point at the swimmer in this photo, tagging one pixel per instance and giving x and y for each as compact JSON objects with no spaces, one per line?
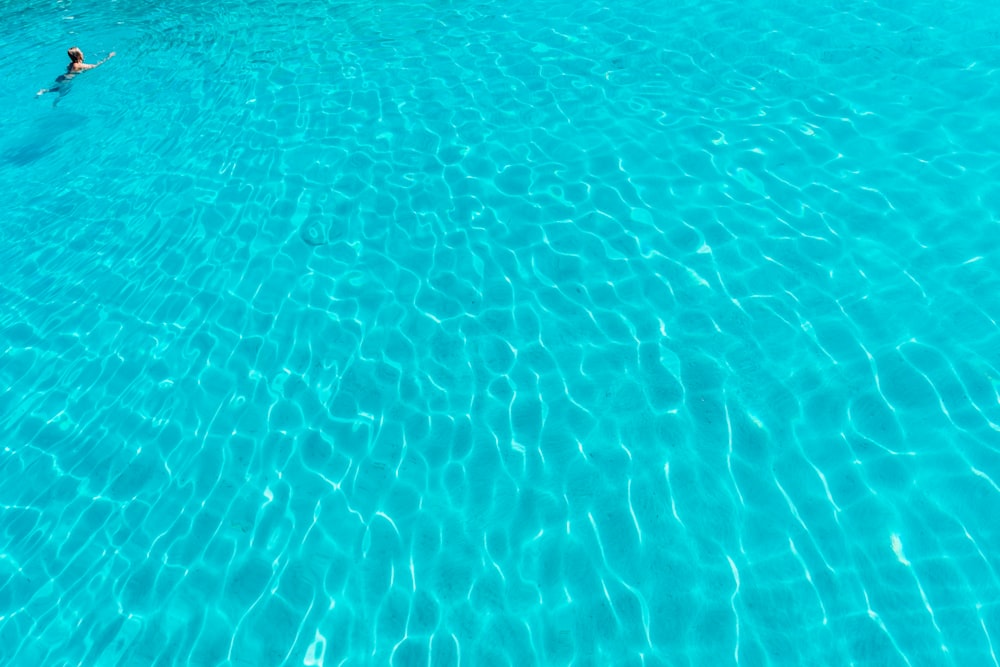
{"x":76,"y":65}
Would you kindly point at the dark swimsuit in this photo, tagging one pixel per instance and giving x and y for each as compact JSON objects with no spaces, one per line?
{"x":62,"y":81}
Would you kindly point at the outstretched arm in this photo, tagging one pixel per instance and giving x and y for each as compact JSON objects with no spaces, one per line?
{"x":99,"y":63}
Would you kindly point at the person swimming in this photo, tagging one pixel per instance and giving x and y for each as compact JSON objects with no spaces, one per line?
{"x":76,"y":65}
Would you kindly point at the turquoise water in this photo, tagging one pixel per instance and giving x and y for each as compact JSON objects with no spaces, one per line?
{"x":500,"y":334}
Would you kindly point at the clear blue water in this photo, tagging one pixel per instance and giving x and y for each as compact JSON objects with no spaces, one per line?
{"x":500,"y":334}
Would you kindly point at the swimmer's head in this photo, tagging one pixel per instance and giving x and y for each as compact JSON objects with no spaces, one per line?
{"x":75,"y":54}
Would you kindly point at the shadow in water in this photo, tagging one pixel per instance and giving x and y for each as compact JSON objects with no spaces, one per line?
{"x":40,"y":138}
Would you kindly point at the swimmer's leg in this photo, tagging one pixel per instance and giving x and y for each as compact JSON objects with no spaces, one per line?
{"x":54,"y":89}
{"x":61,"y":87}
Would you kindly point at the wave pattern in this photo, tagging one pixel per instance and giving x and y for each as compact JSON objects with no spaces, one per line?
{"x":501,"y":334}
